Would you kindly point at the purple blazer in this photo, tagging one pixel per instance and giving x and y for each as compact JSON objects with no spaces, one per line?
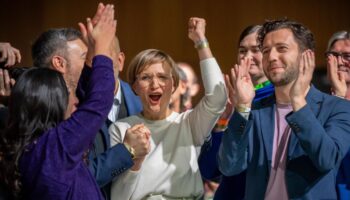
{"x":52,"y":167}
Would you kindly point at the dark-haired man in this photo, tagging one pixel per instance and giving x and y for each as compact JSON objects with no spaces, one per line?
{"x":292,"y":143}
{"x":65,"y":50}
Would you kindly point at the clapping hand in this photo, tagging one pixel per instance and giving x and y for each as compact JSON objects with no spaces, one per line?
{"x":301,"y":85}
{"x":241,"y":84}
{"x":336,"y":78}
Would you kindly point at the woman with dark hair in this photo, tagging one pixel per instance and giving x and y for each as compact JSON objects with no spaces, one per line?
{"x":43,"y":146}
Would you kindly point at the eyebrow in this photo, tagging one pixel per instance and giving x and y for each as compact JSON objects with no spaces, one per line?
{"x":277,"y":44}
{"x":282,"y":43}
{"x":243,"y":47}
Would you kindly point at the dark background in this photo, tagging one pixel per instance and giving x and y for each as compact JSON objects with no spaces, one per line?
{"x":162,"y":24}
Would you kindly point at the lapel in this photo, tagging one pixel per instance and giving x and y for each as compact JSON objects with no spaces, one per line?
{"x":314,"y":99}
{"x":105,"y":134}
{"x":267,"y":123}
{"x":132,"y":102}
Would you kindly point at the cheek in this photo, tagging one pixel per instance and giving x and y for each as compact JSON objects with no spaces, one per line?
{"x":240,"y":57}
{"x":258,"y":57}
{"x":137,"y":89}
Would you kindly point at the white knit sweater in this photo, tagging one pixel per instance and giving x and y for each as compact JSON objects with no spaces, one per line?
{"x":171,"y":167}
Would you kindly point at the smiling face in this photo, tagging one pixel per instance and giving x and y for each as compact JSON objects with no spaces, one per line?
{"x":281,"y":57}
{"x":154,"y":84}
{"x":342,"y":46}
{"x":249,"y":48}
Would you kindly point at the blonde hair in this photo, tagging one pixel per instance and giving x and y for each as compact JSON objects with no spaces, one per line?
{"x":148,"y":57}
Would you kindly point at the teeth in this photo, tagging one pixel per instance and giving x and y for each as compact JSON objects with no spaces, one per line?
{"x":155,"y":97}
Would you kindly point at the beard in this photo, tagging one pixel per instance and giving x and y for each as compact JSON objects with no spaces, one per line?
{"x":289,"y":75}
{"x":72,"y":76}
{"x":284,"y":79}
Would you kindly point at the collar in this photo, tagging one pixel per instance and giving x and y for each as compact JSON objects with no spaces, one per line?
{"x":261,"y":85}
{"x":118,"y":96}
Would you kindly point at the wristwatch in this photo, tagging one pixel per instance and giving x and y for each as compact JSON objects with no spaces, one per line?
{"x":131,"y":150}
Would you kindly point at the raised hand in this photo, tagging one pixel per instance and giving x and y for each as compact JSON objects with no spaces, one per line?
{"x":196,"y":32}
{"x":9,"y":55}
{"x":301,"y":85}
{"x":94,"y":21}
{"x":336,"y":78}
{"x":230,"y":101}
{"x":196,"y":29}
{"x":103,"y":18}
{"x":102,"y":35}
{"x":242,"y":85}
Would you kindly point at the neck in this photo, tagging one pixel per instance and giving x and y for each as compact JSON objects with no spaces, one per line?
{"x":157,"y":116}
{"x":116,"y":86}
{"x":262,"y":85}
{"x":282,"y":93}
{"x":259,"y":80}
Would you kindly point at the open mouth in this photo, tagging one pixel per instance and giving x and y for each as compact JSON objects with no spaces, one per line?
{"x":155,"y":98}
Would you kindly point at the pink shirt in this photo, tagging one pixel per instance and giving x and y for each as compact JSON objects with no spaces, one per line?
{"x":276,"y":188}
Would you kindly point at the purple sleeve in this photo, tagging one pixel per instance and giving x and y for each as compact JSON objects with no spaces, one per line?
{"x":77,"y":132}
{"x":83,"y":82}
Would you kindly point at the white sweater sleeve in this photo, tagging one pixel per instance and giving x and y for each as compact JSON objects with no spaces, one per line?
{"x":124,"y":186}
{"x":204,"y":116}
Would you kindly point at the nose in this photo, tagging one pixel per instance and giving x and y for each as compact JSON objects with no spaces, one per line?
{"x":272,"y":55}
{"x":155,"y":83}
{"x":249,"y":55}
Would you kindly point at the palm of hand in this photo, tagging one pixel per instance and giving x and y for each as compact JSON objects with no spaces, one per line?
{"x":245,"y":89}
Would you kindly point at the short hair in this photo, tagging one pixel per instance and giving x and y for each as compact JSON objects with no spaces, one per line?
{"x":341,"y":35}
{"x":148,"y":57}
{"x":302,"y":34}
{"x":247,"y":31}
{"x":52,"y":42}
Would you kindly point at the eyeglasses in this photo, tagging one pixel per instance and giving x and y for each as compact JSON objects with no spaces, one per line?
{"x":344,"y":55}
{"x":147,"y":79}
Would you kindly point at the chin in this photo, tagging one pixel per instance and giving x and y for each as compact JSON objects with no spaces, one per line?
{"x":154,"y":109}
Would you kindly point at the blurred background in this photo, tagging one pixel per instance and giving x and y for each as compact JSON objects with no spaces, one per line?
{"x":162,"y":24}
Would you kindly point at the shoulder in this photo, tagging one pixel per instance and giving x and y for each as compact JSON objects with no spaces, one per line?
{"x":329,"y":101}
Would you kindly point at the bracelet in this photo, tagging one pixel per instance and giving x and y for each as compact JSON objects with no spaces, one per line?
{"x":243,"y":108}
{"x":201,"y":44}
{"x":221,"y":124}
{"x":131,"y":150}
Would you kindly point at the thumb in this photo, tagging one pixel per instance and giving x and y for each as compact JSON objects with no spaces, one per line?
{"x":342,"y":77}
